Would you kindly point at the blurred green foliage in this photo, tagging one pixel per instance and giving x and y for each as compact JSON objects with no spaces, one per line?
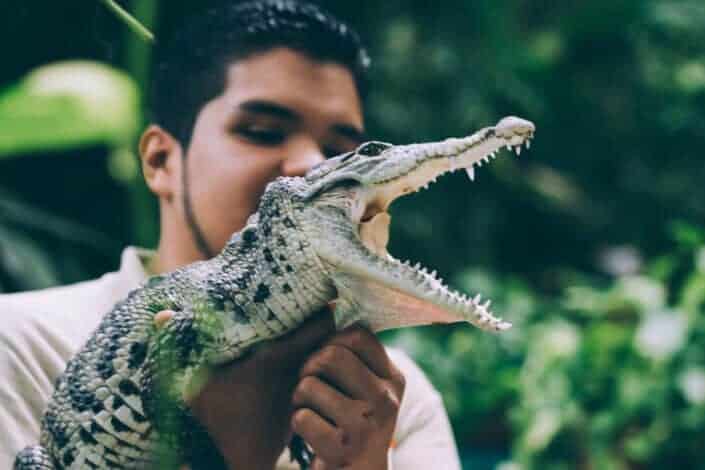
{"x":608,"y":376}
{"x":590,"y":244}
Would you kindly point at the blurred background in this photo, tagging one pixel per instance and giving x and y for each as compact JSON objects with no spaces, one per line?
{"x":591,"y":242}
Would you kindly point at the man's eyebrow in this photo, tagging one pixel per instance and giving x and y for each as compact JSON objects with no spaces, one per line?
{"x":268,"y":107}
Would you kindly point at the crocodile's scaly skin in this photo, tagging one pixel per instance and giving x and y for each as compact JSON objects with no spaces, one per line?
{"x":119,"y":403}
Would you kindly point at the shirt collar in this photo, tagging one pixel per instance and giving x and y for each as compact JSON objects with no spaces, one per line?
{"x":133,"y":263}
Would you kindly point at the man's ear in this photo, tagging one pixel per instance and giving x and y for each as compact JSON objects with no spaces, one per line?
{"x":161,"y":156}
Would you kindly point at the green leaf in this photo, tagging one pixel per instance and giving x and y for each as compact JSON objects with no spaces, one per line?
{"x":66,"y":105}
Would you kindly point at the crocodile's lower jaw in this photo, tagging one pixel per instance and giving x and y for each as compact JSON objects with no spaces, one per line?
{"x":412,"y":289}
{"x":429,"y":298}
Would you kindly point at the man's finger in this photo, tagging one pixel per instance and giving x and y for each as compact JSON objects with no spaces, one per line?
{"x":367,"y":347}
{"x":312,"y":392}
{"x":345,"y":370}
{"x":327,"y":441}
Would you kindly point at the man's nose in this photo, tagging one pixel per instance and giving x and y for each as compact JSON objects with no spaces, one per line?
{"x":301,"y":159}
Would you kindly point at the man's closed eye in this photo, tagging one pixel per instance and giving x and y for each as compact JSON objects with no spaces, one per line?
{"x":259,"y":135}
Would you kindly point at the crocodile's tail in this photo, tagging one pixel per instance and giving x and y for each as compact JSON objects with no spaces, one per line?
{"x":34,"y":458}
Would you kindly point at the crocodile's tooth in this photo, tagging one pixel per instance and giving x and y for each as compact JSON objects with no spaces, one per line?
{"x":476,"y":299}
{"x":486,"y":305}
{"x":433,"y":274}
{"x":517,"y":149}
{"x":509,"y":147}
{"x":471,"y":172}
{"x":528,"y":143}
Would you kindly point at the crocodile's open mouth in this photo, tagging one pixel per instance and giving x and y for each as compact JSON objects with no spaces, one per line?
{"x":417,"y":287}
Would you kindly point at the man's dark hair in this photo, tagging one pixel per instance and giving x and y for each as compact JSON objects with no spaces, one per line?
{"x":190,"y":69}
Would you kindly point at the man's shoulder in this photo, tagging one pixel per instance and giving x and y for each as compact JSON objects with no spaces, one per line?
{"x":61,"y":306}
{"x":52,"y":320}
{"x":57,"y":318}
{"x":80,"y":302}
{"x":28,"y":302}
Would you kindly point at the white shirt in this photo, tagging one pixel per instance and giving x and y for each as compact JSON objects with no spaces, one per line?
{"x":41,"y":330}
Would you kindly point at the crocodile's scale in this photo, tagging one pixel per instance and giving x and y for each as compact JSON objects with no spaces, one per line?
{"x":120,"y":404}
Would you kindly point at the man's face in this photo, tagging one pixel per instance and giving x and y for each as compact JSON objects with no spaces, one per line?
{"x":280,"y":114}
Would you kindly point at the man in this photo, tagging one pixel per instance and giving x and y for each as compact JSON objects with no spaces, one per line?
{"x":242,"y":95}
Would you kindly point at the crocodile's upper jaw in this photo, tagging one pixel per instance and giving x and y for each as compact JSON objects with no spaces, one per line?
{"x":419,"y":165}
{"x":375,"y":199}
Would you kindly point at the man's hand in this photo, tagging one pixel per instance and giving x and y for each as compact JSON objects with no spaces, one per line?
{"x":246,"y":405}
{"x":343,"y":399}
{"x":347,"y":402}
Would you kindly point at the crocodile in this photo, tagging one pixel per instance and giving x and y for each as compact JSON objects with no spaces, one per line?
{"x":313,"y":239}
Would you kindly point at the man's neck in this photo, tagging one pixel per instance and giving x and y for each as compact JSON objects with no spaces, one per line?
{"x":176,"y":245}
{"x":172,"y":254}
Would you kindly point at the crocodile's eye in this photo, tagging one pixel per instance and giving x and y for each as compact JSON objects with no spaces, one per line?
{"x":372,"y":149}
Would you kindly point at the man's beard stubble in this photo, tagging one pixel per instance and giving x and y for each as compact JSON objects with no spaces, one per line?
{"x":196,"y":232}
